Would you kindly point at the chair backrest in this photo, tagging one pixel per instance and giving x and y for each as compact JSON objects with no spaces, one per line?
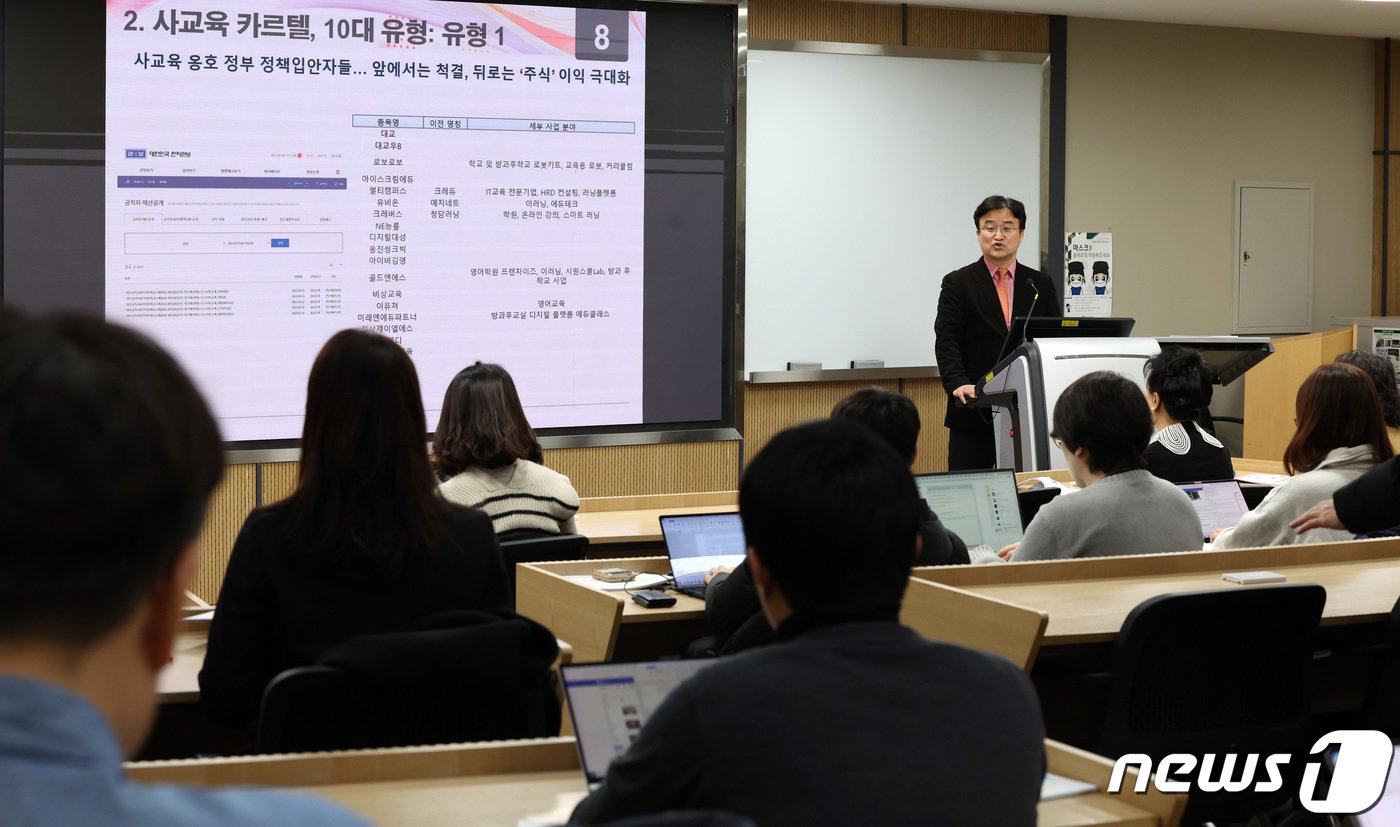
{"x":685,"y":818}
{"x":461,"y":676}
{"x":547,"y":549}
{"x":1383,"y":693}
{"x":950,"y":615}
{"x":1223,"y":671}
{"x":1031,"y":502}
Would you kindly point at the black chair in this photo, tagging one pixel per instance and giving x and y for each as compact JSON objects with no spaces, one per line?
{"x":684,"y":818}
{"x":1030,"y":503}
{"x":544,"y":549}
{"x":1224,"y":671}
{"x":1382,"y":706}
{"x":459,"y":676}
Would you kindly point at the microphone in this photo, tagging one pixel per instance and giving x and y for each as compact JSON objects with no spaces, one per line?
{"x":1007,"y":345}
{"x":1029,"y":311}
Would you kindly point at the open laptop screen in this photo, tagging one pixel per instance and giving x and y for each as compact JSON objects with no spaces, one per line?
{"x":979,"y":506}
{"x":610,"y":702}
{"x":699,"y":542}
{"x":1218,"y":504}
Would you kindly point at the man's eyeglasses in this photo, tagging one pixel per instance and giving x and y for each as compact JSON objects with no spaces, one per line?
{"x":989,"y":229}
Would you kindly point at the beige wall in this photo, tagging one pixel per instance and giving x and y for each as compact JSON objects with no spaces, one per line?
{"x":1161,"y":120}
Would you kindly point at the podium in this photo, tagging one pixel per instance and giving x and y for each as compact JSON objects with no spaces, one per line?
{"x":1023,"y":387}
{"x":1270,"y":394}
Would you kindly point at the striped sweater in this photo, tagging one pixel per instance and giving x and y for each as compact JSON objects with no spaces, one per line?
{"x":525,"y":496}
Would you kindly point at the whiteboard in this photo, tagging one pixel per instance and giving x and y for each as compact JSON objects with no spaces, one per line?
{"x":862,"y":175}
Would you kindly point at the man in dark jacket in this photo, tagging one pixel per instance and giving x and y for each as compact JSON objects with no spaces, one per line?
{"x":731,"y":602}
{"x":850,"y":718}
{"x":975,"y":309}
{"x":1369,"y":503}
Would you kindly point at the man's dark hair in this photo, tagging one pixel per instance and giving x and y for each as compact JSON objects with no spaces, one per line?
{"x":892,"y":416}
{"x":1106,"y":414}
{"x":483,"y":424}
{"x":832,"y":513}
{"x":1382,"y":373}
{"x":999,"y":202}
{"x":108,"y":456}
{"x":1181,"y":377}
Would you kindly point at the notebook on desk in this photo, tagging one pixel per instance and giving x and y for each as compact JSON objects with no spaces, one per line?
{"x":1218,"y":504}
{"x":979,"y":506}
{"x":610,"y":702}
{"x":697,"y":543}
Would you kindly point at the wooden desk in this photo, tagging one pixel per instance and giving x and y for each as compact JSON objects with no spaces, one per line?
{"x":501,"y":783}
{"x":1257,"y":466}
{"x":640,"y":526}
{"x":179,"y":681}
{"x":1088,"y":599}
{"x":636,"y":520}
{"x":605,"y":625}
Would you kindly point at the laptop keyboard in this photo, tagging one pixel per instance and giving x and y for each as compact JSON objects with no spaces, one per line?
{"x":983,"y":554}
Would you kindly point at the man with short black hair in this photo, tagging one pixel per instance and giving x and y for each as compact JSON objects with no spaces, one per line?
{"x":894,"y":417}
{"x":850,"y":718}
{"x":975,"y":309}
{"x":109,"y":457}
{"x":731,"y":603}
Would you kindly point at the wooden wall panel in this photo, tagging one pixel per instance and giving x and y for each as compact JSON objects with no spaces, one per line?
{"x":932,"y":402}
{"x":228,"y":508}
{"x":883,"y":24}
{"x":987,"y":30}
{"x":623,"y":470}
{"x":1378,"y":236}
{"x":279,"y":480}
{"x":1394,"y":94}
{"x":823,"y":20}
{"x":769,"y":409}
{"x":1273,"y":384}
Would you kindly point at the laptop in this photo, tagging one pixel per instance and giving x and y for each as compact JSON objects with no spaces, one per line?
{"x":979,"y":506}
{"x":697,"y":543}
{"x":610,"y":702}
{"x":1218,"y":504}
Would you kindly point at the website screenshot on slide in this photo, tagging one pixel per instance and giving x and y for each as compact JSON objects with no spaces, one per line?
{"x":465,"y":178}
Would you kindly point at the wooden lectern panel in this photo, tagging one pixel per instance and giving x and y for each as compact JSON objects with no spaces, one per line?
{"x":1271,"y":388}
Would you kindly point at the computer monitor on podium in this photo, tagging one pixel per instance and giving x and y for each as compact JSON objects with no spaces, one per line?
{"x":1030,"y":328}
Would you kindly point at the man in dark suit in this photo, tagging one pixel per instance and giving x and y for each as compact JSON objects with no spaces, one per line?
{"x":975,"y":310}
{"x":850,"y":717}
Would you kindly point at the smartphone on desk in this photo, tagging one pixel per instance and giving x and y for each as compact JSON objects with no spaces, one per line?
{"x":653,"y":599}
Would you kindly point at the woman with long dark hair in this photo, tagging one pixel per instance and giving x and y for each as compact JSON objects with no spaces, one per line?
{"x":488,"y":457}
{"x":364,"y":545}
{"x":1340,"y":436}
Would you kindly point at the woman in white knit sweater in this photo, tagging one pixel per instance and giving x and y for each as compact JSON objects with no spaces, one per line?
{"x":488,"y":457}
{"x":1340,"y":436}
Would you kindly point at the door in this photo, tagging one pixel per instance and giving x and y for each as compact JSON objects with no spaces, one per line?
{"x":1273,"y":257}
